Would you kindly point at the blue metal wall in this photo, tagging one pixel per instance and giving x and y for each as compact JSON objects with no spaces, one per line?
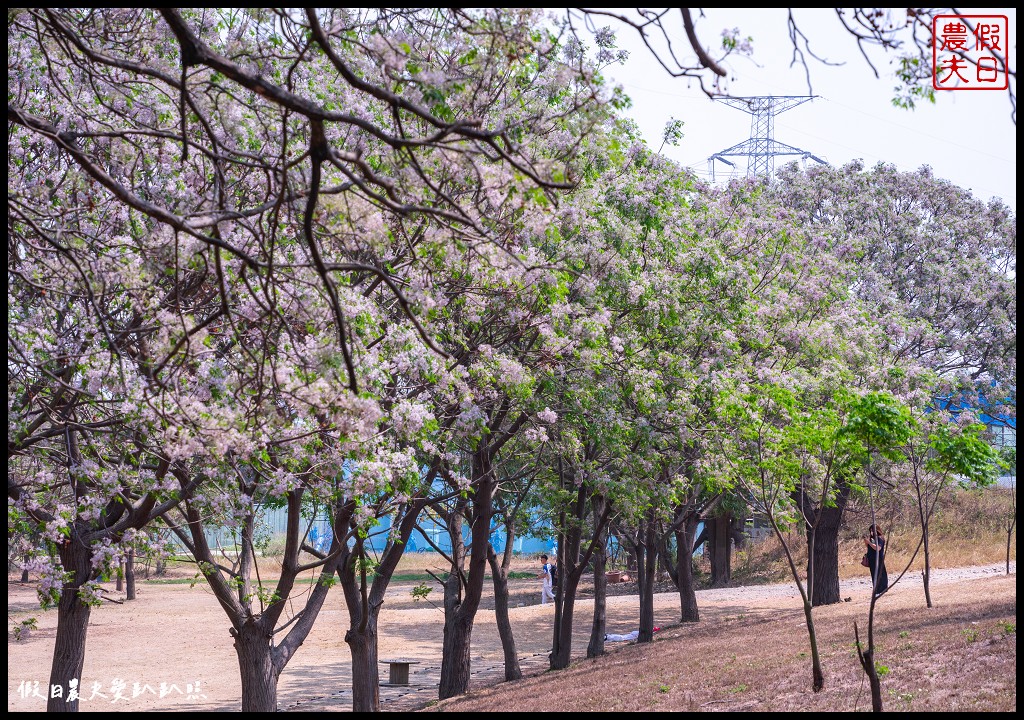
{"x":433,"y":534}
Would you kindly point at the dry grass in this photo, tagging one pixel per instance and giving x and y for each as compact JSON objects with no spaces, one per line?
{"x":959,"y":656}
{"x":969,"y":529}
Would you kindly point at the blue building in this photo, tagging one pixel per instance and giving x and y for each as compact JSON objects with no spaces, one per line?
{"x":997,"y":417}
{"x":431,"y":533}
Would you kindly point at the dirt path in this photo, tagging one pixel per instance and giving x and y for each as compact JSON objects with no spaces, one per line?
{"x":170,"y":649}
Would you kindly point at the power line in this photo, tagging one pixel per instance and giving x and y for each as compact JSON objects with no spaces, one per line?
{"x":922,"y":134}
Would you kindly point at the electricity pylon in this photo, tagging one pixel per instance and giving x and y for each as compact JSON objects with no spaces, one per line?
{"x":762,"y":148}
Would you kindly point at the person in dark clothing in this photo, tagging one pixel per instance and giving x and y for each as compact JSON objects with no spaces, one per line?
{"x":875,"y":542}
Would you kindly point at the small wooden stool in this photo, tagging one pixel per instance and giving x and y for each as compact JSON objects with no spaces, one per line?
{"x":399,"y":670}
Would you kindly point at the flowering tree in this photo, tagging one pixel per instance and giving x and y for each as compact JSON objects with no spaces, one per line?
{"x":268,"y":256}
{"x":580,"y":483}
{"x":509,"y":342}
{"x":511,"y":515}
{"x":215,"y":152}
{"x":304,"y":443}
{"x":669,"y":286}
{"x":227,"y":127}
{"x":933,"y":452}
{"x":935,"y":267}
{"x":936,"y":263}
{"x":96,"y":319}
{"x":809,"y":349}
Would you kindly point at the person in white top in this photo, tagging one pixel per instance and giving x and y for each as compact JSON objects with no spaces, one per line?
{"x":547,"y":589}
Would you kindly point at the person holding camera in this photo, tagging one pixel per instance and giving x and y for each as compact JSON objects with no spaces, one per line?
{"x":875,"y":556}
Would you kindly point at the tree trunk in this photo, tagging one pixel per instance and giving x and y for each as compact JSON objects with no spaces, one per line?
{"x":599,"y":627}
{"x":565,"y":593}
{"x":455,"y":657}
{"x":647,"y":566}
{"x":455,"y":644}
{"x":874,"y":683}
{"x":926,"y":576}
{"x":823,"y":562}
{"x":362,"y":645}
{"x":823,"y":557}
{"x":720,"y":545}
{"x":459,"y":610}
{"x":923,"y":516}
{"x":561,"y":655}
{"x":256,"y":665}
{"x":571,"y":564}
{"x":556,"y":658}
{"x":499,"y":576}
{"x":24,"y":570}
{"x":867,"y":663}
{"x":666,"y":560}
{"x":817,"y":675}
{"x":684,"y":570}
{"x":119,"y":586}
{"x":632,"y":561}
{"x":129,"y":575}
{"x":364,"y":600}
{"x":72,"y":625}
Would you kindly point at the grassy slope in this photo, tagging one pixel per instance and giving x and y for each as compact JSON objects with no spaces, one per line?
{"x":959,"y":655}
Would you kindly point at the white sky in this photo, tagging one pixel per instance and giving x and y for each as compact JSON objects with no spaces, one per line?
{"x":967,"y":137}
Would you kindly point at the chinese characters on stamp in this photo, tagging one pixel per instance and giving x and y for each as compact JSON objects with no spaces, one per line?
{"x":970,"y":52}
